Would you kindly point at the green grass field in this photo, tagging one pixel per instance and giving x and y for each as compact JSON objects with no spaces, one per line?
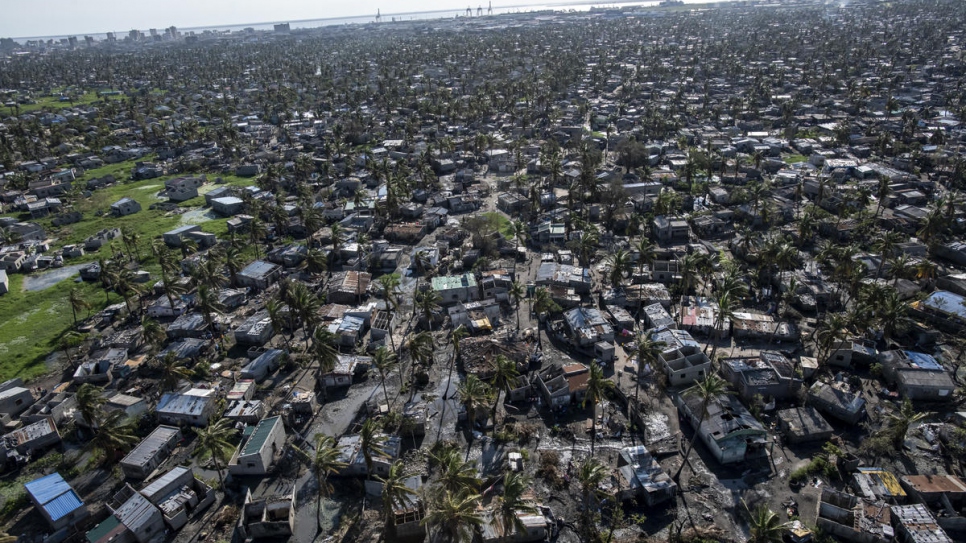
{"x":31,"y":323}
{"x":54,"y":102}
{"x":792,"y":159}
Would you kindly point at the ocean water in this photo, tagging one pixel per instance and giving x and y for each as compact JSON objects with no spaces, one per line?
{"x":398,"y":17}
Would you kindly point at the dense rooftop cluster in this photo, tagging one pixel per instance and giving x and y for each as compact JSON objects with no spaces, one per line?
{"x":672,"y":273}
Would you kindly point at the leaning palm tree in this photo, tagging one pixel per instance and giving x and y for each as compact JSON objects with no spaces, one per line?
{"x":173,"y":371}
{"x":370,"y":442}
{"x":456,"y":337}
{"x":115,"y":433}
{"x":648,"y":352}
{"x":214,"y":441}
{"x":511,"y":502}
{"x":597,"y":386}
{"x":517,"y":293}
{"x":384,"y":360}
{"x":421,"y":350}
{"x":454,"y":517}
{"x":765,"y":526}
{"x":325,"y":353}
{"x":153,"y":333}
{"x":505,"y":374}
{"x":707,"y":391}
{"x":395,"y":493}
{"x":474,"y":394}
{"x":325,"y":462}
{"x":900,"y":422}
{"x":89,"y":402}
{"x":589,"y":475}
{"x":77,"y":303}
{"x":620,"y":264}
{"x":209,"y":305}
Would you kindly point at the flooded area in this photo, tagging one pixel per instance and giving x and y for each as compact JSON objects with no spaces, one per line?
{"x":48,"y":279}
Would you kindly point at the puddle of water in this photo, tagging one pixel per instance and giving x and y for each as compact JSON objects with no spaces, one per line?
{"x":196,"y":216}
{"x":48,"y":279}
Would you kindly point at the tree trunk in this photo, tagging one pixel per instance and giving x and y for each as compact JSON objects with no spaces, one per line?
{"x":687,"y":454}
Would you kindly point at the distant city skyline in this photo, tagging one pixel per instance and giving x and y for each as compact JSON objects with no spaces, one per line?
{"x":73,"y":17}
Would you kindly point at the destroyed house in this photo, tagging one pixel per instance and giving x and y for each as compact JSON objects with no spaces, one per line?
{"x":641,"y":477}
{"x":245,"y":411}
{"x":836,"y":402}
{"x":259,"y":275}
{"x":255,"y":330}
{"x":587,"y":326}
{"x":348,"y":287}
{"x":769,"y":375}
{"x":915,"y":524}
{"x":150,"y":452}
{"x":854,"y":519}
{"x":681,"y":357}
{"x":552,"y":274}
{"x":350,"y":453}
{"x":918,"y":376}
{"x":729,"y":431}
{"x":268,"y":517}
{"x":803,"y":424}
{"x":31,"y":438}
{"x":347,"y":367}
{"x":179,"y":494}
{"x":561,"y":385}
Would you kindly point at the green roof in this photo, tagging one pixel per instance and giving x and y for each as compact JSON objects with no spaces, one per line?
{"x":98,"y":532}
{"x":259,"y":436}
{"x":449,"y":282}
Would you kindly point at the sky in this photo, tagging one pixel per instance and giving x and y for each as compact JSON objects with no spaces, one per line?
{"x":24,"y":18}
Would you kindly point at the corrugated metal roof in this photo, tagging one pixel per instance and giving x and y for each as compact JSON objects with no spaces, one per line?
{"x":260,"y":435}
{"x":47,"y":488}
{"x":63,"y":505}
{"x":165,"y":480}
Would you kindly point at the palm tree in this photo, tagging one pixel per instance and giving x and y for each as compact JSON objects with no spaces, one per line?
{"x":900,"y":422}
{"x":214,"y":441}
{"x":454,"y":517}
{"x":325,"y":353}
{"x":390,"y":285}
{"x":891,"y":315}
{"x":234,"y":261}
{"x":274,"y":307}
{"x":306,"y":304}
{"x":648,"y":352}
{"x":707,"y":391}
{"x":89,"y":402}
{"x":511,"y":502}
{"x":620,"y":264}
{"x":384,"y":360}
{"x":115,"y":433}
{"x":504,"y":379}
{"x":371,"y":442}
{"x":395,"y":493}
{"x":589,"y":475}
{"x":543,"y":303}
{"x":457,"y":336}
{"x":455,"y":474}
{"x":77,"y":303}
{"x":209,"y":306}
{"x":428,"y":301}
{"x":325,"y":462}
{"x":422,"y":352}
{"x":517,"y":293}
{"x":154,"y":334}
{"x":173,"y":371}
{"x":474,"y":394}
{"x":597,"y":387}
{"x":765,"y":526}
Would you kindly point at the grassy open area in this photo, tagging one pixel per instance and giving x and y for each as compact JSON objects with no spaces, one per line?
{"x":792,"y":159}
{"x":31,"y":323}
{"x":53,"y":102}
{"x":499,"y":222}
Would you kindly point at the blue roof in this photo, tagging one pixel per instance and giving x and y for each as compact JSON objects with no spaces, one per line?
{"x":47,"y":488}
{"x":63,"y":505}
{"x":54,"y":494}
{"x":947,"y":302}
{"x":923,"y":361}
